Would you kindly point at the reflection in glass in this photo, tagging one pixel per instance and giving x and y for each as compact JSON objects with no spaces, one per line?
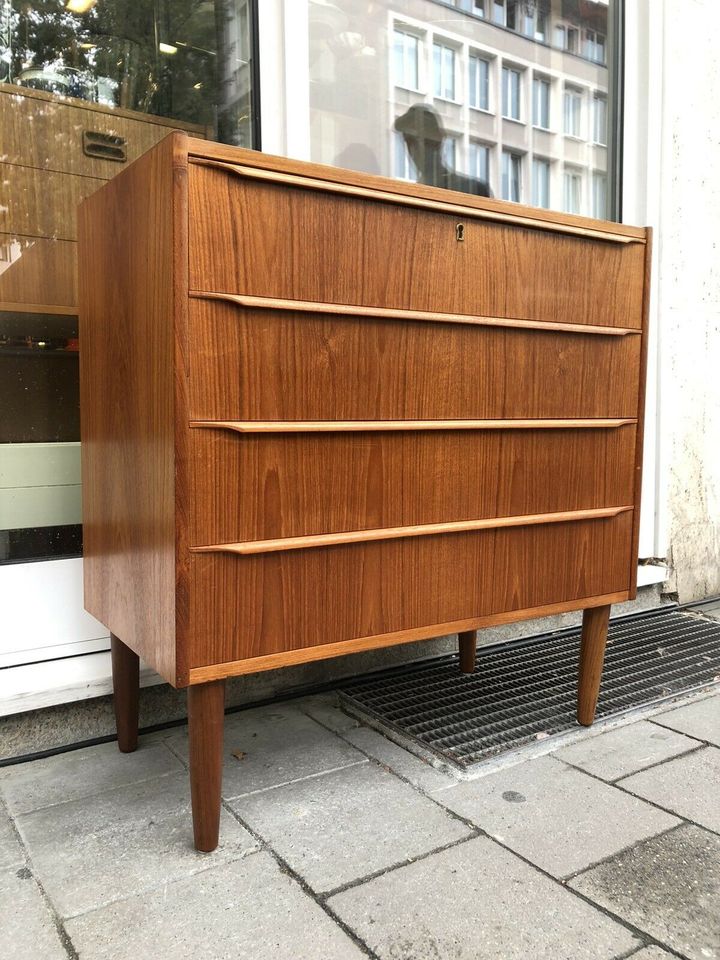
{"x":86,"y":86}
{"x":542,"y":64}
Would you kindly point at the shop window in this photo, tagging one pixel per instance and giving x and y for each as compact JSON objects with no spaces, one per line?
{"x":85,"y":88}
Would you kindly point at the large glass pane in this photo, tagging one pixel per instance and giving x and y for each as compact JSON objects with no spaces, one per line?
{"x":86,"y":86}
{"x":473,"y":70}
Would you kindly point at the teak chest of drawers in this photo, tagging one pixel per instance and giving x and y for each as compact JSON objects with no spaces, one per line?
{"x":324,"y":412}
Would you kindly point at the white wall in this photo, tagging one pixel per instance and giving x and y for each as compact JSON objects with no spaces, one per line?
{"x":688,"y":265}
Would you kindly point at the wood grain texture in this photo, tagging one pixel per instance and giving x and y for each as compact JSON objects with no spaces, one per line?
{"x":256,"y":487}
{"x":467,"y":644}
{"x":45,"y":132}
{"x":127,"y":389}
{"x":245,"y":427}
{"x":38,"y":272}
{"x":383,"y":313}
{"x":279,"y":365}
{"x":387,"y":255}
{"x":250,"y":158}
{"x":592,"y":655}
{"x":447,"y":205}
{"x":206,"y":715}
{"x":42,"y":203}
{"x":126,"y":691}
{"x":259,"y":605}
{"x":248,"y":548}
{"x":274,"y":661}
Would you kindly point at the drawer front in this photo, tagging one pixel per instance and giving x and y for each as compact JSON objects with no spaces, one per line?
{"x":242,"y":607}
{"x":253,"y":487}
{"x":267,"y":364}
{"x":42,"y":203}
{"x":370,"y":252}
{"x":48,"y":134}
{"x":38,"y":271}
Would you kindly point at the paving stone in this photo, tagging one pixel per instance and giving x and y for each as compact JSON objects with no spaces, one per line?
{"x":11,"y":851}
{"x":89,"y":852}
{"x":247,"y":910}
{"x":27,"y":927}
{"x":416,"y":771}
{"x":700,"y":719}
{"x":668,"y":887}
{"x":625,"y":750}
{"x":324,"y":708}
{"x":474,"y":901}
{"x":557,"y":817}
{"x":688,"y":786}
{"x":651,"y":953}
{"x":279,"y":744}
{"x":347,"y":824}
{"x":81,"y":773}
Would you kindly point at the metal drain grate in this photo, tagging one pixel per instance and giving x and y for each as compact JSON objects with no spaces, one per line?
{"x":524,"y":691}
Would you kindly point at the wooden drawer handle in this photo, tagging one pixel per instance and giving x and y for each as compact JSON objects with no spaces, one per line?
{"x":250,"y":547}
{"x":387,"y":313}
{"x":405,"y":200}
{"x":360,"y":426}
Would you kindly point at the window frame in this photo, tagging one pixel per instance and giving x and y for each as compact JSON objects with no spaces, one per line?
{"x":477,"y":57}
{"x":404,"y":30}
{"x":511,"y":70}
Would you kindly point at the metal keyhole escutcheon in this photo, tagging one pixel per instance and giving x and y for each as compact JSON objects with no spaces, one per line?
{"x":460,"y":231}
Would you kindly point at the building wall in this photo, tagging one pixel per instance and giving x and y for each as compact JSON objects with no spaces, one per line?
{"x":688,"y":265}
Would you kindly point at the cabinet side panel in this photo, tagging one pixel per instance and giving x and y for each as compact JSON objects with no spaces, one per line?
{"x":127,"y":406}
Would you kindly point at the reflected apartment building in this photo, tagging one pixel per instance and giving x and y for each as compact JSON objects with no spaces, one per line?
{"x":521,"y":89}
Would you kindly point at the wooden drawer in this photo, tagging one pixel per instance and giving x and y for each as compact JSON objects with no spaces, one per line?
{"x":366,"y":251}
{"x":252,"y":606}
{"x":46,"y":133}
{"x":37,"y":271}
{"x":42,"y":203}
{"x":250,"y":364}
{"x":255,"y":487}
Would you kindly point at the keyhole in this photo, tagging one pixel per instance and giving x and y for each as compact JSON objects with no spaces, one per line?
{"x":460,"y":231}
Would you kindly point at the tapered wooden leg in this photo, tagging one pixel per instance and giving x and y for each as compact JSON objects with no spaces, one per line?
{"x":206,"y":713}
{"x":467,"y":642}
{"x":592,"y":655}
{"x":126,"y":688}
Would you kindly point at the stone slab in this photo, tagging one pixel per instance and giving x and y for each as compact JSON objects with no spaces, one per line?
{"x":625,"y":750}
{"x":559,"y":818}
{"x":700,"y":719}
{"x":400,"y":761}
{"x":11,"y":851}
{"x":27,"y":926}
{"x":688,"y":786}
{"x":324,"y":707}
{"x":668,"y":887}
{"x":652,"y":953}
{"x":81,"y":773}
{"x":277,"y":744}
{"x":474,"y":901}
{"x":348,"y":824}
{"x":89,"y":852}
{"x":246,"y":910}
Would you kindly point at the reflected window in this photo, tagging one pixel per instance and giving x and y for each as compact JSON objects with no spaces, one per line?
{"x":407,"y":59}
{"x":511,"y":83}
{"x":572,"y":113}
{"x":600,"y":198}
{"x":85,"y":88}
{"x":444,"y":71}
{"x":541,"y":182}
{"x":479,"y":82}
{"x":572,"y":190}
{"x":511,"y":176}
{"x":479,"y":161}
{"x":600,"y":119}
{"x":541,"y":102}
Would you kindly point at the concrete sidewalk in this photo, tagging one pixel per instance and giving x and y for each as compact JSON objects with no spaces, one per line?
{"x":337,"y":843}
